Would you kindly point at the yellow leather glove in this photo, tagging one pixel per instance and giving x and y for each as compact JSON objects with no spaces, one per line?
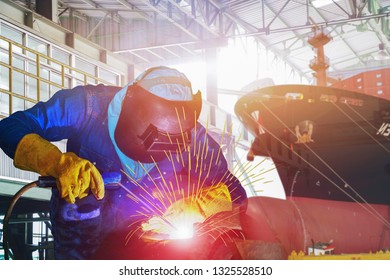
{"x":75,"y":176}
{"x":192,"y":209}
{"x":206,"y":202}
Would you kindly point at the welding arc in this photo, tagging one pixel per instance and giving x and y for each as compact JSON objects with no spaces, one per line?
{"x":146,"y":205}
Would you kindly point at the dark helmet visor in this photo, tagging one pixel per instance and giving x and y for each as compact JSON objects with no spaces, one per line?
{"x":149,"y":126}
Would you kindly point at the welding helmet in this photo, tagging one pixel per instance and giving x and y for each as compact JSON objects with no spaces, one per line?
{"x":158,"y":113}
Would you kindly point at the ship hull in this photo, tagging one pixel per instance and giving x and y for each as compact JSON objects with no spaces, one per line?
{"x":327,"y":143}
{"x":331,"y":148}
{"x":296,"y":224}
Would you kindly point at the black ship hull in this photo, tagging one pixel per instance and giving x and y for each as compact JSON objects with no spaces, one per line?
{"x":326,"y":143}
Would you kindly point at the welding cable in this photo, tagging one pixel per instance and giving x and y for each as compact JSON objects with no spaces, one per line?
{"x":43,"y":182}
{"x":7,"y":216}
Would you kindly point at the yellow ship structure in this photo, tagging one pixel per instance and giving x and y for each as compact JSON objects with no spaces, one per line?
{"x":380,"y":255}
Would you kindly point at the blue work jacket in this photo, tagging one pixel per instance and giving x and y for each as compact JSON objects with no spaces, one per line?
{"x":80,"y":116}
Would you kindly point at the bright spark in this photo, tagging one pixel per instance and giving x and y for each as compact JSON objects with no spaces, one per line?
{"x":178,"y":222}
{"x":183,"y":232}
{"x":182,"y":204}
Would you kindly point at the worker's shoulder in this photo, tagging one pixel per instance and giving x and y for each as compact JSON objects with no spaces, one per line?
{"x":89,"y":89}
{"x":98,"y":97}
{"x":101,"y":89}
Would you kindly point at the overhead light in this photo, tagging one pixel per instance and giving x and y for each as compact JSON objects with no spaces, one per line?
{"x":322,"y":3}
{"x":382,"y":54}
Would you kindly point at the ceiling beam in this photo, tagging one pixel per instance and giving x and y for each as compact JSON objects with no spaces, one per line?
{"x":165,"y":16}
{"x":189,"y":13}
{"x":131,"y":7}
{"x":157,"y":47}
{"x":91,"y":3}
{"x":97,"y":26}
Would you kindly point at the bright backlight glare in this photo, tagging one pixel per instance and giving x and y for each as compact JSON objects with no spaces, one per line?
{"x":322,"y":3}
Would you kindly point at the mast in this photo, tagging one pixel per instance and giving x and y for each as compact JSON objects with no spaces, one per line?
{"x":320,"y":63}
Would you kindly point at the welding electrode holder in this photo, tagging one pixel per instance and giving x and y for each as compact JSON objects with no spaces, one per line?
{"x":47,"y":182}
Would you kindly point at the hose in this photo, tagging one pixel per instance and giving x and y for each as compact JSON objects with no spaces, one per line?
{"x":43,"y":181}
{"x":9,"y":212}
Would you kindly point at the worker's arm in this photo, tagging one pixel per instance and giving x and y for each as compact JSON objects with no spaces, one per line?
{"x":75,"y":176}
{"x":59,"y":118}
{"x":25,"y":136}
{"x":208,"y":163}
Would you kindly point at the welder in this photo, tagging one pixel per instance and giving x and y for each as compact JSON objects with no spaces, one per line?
{"x":135,"y":130}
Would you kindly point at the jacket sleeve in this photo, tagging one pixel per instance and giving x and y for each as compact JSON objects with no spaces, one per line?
{"x":207,"y":163}
{"x":58,"y":118}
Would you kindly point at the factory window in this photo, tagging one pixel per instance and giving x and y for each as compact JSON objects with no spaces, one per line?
{"x":18,"y":62}
{"x":4,"y":58}
{"x":32,"y":85}
{"x":56,"y":78}
{"x":11,"y":34}
{"x":17,"y":104}
{"x":44,"y":86}
{"x":39,"y":46}
{"x":87,"y":70}
{"x":29,"y":104}
{"x":61,"y":56}
{"x":4,"y":104}
{"x":18,"y":83}
{"x":109,"y":77}
{"x":4,"y":78}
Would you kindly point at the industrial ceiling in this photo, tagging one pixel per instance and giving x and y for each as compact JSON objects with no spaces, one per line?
{"x":151,"y":31}
{"x":156,"y":31}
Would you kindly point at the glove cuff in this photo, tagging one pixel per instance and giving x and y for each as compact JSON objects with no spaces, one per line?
{"x":36,"y":154}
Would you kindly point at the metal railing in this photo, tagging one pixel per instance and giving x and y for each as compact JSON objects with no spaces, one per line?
{"x":68,"y":74}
